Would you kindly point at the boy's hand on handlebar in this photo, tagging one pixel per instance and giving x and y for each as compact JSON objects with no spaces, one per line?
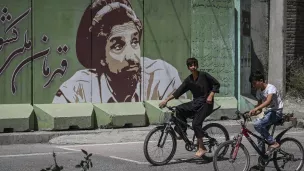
{"x":252,"y":112}
{"x":162,"y":104}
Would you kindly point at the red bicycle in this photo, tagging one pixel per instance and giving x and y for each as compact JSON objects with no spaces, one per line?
{"x":286,"y":155}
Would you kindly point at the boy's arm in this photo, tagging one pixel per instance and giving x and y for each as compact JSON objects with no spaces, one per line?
{"x":180,"y":91}
{"x":215,"y":87}
{"x":259,"y":103}
{"x":260,"y":106}
{"x":215,"y":84}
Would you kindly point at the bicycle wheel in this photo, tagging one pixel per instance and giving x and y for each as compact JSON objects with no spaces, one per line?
{"x":288,"y":154}
{"x":219,"y":157}
{"x":216,"y":139}
{"x":162,"y":140}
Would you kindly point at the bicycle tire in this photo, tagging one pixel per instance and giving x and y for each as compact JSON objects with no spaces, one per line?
{"x":168,"y":159}
{"x":275,"y":162}
{"x":223,"y":129}
{"x":227,"y":143}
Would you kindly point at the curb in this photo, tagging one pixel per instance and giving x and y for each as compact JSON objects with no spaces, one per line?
{"x":232,"y":126}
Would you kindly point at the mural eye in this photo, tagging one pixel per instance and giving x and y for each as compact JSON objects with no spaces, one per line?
{"x":134,"y":42}
{"x":117,"y":46}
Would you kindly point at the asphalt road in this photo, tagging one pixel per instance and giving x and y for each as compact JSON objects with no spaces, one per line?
{"x":126,"y":156}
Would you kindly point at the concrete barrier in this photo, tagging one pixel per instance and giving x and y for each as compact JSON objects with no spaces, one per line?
{"x":227,"y":110}
{"x":16,"y":117}
{"x":64,"y":116}
{"x":114,"y":115}
{"x":155,"y":114}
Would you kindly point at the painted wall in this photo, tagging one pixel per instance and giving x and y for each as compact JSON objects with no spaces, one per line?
{"x":213,"y":40}
{"x":81,"y":51}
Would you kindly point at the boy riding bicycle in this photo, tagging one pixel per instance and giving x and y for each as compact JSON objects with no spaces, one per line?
{"x":269,"y":97}
{"x":203,"y":87}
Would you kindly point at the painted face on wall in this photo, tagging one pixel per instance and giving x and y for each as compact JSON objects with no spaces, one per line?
{"x":122,"y":53}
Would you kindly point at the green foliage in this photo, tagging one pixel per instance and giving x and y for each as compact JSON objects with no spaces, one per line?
{"x":85,"y":164}
{"x":295,"y":82}
{"x":53,"y":168}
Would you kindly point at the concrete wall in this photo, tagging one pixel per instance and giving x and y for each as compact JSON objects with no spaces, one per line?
{"x":277,"y":61}
{"x":246,"y":47}
{"x":259,"y":35}
{"x":254,"y":42}
{"x":49,"y":53}
{"x":64,"y":68}
{"x":213,"y":41}
{"x":72,"y":63}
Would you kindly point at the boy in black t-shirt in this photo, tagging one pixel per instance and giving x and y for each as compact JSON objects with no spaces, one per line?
{"x":203,"y":87}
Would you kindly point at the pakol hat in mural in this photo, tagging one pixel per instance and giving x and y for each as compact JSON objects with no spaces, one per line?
{"x":95,"y":25}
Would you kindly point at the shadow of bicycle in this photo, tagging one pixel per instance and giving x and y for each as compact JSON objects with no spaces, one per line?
{"x":191,"y":160}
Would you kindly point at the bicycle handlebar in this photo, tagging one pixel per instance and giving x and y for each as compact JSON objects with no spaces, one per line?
{"x":171,"y":108}
{"x":245,"y":115}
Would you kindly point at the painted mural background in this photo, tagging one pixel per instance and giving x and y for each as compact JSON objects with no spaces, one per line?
{"x":64,"y":51}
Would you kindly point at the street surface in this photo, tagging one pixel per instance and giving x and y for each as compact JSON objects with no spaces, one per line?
{"x":127,"y":156}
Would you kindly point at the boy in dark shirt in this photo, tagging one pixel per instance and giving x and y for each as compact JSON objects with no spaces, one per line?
{"x":203,"y":87}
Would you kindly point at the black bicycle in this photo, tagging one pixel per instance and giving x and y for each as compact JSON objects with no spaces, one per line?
{"x":276,"y":156}
{"x":166,"y":131}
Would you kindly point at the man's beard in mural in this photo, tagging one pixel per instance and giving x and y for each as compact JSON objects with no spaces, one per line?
{"x":124,"y":83}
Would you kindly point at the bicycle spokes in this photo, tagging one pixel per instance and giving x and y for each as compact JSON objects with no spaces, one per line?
{"x":289,"y":156}
{"x":237,"y":159}
{"x":159,"y":146}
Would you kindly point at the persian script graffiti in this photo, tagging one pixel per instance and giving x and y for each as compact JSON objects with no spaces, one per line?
{"x":6,"y":18}
{"x":225,"y":4}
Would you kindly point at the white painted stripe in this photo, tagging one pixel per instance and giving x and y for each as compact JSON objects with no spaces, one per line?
{"x":121,"y":143}
{"x":32,"y":154}
{"x":297,"y":132}
{"x":87,"y":145}
{"x":133,"y":161}
{"x":69,"y":149}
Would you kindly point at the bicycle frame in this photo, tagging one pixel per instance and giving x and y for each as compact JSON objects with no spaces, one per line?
{"x":177,"y":122}
{"x":246,"y":132}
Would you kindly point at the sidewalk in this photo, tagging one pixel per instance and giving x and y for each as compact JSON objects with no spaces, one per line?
{"x":104,"y":135}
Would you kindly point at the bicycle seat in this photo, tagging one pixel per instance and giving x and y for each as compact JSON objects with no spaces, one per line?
{"x":286,"y":117}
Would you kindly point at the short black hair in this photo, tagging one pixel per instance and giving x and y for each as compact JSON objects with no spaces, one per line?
{"x":256,"y":76}
{"x":191,"y":61}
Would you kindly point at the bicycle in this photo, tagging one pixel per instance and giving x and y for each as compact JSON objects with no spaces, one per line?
{"x":264,"y":159}
{"x":166,"y":129}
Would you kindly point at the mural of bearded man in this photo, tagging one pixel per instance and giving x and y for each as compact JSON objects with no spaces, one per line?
{"x":108,"y":46}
